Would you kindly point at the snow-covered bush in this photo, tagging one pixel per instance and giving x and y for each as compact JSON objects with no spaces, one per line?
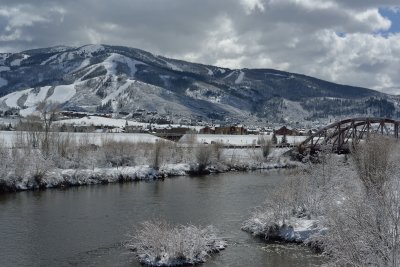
{"x":265,"y":145}
{"x":364,"y":230}
{"x":203,"y":156}
{"x":293,"y":209}
{"x":158,"y":243}
{"x":118,"y":153}
{"x":350,"y":209}
{"x":158,"y":154}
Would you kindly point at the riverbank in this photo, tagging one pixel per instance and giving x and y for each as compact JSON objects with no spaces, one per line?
{"x":346,"y":206}
{"x":293,"y":230}
{"x":63,"y":178}
{"x":32,"y":160}
{"x":296,"y":211}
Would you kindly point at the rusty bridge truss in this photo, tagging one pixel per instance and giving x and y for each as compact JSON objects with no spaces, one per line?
{"x":340,"y":135}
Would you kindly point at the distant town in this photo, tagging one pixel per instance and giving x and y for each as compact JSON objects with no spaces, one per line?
{"x":142,"y":121}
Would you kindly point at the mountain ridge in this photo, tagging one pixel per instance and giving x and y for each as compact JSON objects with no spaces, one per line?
{"x":122,"y":80}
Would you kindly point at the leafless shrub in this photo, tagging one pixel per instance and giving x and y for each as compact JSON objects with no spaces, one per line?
{"x":203,"y":157}
{"x":265,"y":146}
{"x":119,"y":153}
{"x":364,"y":230}
{"x":303,"y":194}
{"x":372,"y":161}
{"x":33,"y":128}
{"x":5,"y":163}
{"x":158,"y":153}
{"x":20,"y":159}
{"x":217,"y":150}
{"x":191,"y":138}
{"x":158,"y":243}
{"x":39,"y":166}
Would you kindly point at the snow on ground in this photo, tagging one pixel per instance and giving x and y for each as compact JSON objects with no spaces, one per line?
{"x":254,"y":159}
{"x":12,"y":99}
{"x":292,"y":139}
{"x":95,"y":121}
{"x":17,"y":62}
{"x":49,"y":59}
{"x":224,"y":139}
{"x":276,"y":74}
{"x":292,"y":230}
{"x":229,"y":75}
{"x":239,"y":140}
{"x":35,"y":98}
{"x":63,"y":93}
{"x":88,"y":50}
{"x":28,"y":111}
{"x":84,"y":64}
{"x":158,"y":243}
{"x":117,"y":92}
{"x":110,"y":66}
{"x":173,"y":66}
{"x":102,"y":121}
{"x":74,"y":177}
{"x":240,"y":77}
{"x":8,"y":137}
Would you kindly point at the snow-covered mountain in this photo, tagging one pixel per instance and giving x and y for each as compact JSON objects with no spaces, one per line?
{"x":123,"y":81}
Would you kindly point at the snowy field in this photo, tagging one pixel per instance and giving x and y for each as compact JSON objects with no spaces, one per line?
{"x":239,"y":140}
{"x":120,"y":123}
{"x":8,"y":137}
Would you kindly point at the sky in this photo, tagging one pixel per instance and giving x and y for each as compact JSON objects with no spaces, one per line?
{"x":354,"y":42}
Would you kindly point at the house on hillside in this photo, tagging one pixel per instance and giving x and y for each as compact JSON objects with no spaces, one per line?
{"x":286,"y":131}
{"x":207,"y":130}
{"x":235,"y":130}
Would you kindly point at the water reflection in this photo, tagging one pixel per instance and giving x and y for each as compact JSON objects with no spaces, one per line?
{"x":86,"y":226}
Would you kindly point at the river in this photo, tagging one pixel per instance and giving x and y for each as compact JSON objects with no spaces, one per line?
{"x":87,"y":226}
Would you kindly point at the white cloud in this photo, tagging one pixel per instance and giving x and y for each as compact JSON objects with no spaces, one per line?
{"x":251,"y":5}
{"x":373,"y":18}
{"x":337,"y":40}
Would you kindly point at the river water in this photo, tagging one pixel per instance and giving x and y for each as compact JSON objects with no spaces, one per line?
{"x":87,"y":226}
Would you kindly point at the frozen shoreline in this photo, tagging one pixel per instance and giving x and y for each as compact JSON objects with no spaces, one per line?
{"x":62,"y":178}
{"x":294,"y":230}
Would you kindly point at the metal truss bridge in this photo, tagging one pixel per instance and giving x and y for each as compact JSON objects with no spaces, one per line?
{"x":340,"y":135}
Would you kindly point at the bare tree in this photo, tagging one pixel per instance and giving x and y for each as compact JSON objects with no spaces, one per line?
{"x":372,"y":161}
{"x":364,"y":229}
{"x":48,"y":113}
{"x":218,"y":150}
{"x":203,"y":157}
{"x":158,"y":153}
{"x":32,"y":124}
{"x":265,"y":146}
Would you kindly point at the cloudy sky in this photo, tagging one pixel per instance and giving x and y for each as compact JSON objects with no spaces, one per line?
{"x":353,"y":42}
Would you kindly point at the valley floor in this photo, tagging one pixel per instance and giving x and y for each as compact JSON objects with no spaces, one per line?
{"x":73,"y":160}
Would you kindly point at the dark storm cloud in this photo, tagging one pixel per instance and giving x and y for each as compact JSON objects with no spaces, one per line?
{"x":334,"y":40}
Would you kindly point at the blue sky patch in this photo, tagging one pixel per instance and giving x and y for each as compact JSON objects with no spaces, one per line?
{"x":394,"y":17}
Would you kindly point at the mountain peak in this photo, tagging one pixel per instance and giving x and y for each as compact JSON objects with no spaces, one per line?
{"x":121,"y":80}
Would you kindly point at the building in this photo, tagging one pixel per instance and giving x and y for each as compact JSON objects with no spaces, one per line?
{"x":286,"y":131}
{"x":235,"y":130}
